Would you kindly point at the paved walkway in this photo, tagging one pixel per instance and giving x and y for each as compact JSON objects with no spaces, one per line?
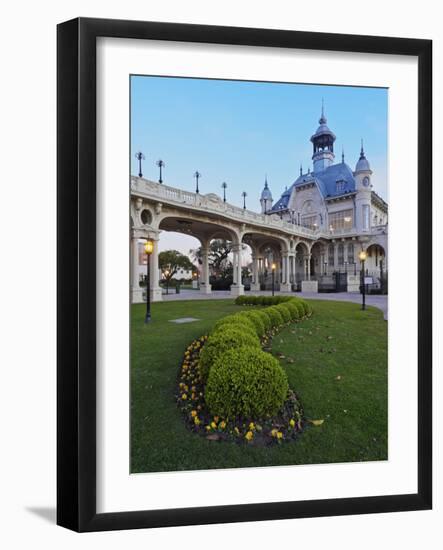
{"x":378,"y":301}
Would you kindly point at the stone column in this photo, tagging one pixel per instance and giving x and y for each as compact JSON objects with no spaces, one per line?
{"x":237,"y":289}
{"x":308,"y":285}
{"x":136,"y":290}
{"x":285,"y":285}
{"x":156,"y":291}
{"x":255,"y":284}
{"x":205,"y":287}
{"x":336,"y":257}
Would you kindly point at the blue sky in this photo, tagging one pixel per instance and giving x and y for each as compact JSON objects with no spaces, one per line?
{"x":238,"y":131}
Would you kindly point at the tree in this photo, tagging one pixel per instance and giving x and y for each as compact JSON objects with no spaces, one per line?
{"x":170,"y":261}
{"x":218,"y":260}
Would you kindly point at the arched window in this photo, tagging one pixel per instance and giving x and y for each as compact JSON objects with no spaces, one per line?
{"x":331,"y":255}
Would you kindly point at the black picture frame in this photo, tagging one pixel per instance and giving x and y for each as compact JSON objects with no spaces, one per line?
{"x":76,"y":265}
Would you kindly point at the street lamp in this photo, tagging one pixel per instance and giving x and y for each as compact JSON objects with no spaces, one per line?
{"x":362,"y":256}
{"x":273,"y":277}
{"x":149,"y":248}
{"x":244,"y":195}
{"x":197,"y":175}
{"x":224,"y":185}
{"x":161,"y":165}
{"x":140,"y":156}
{"x":166,"y":273}
{"x":326,"y":267}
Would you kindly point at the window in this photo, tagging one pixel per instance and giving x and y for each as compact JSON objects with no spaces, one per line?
{"x":341,"y":254}
{"x":340,"y":186}
{"x":340,"y":221}
{"x":310,"y":222}
{"x":331,"y":259}
{"x":351,"y":253}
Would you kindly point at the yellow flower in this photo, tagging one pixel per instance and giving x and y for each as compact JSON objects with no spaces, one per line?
{"x":274,"y":432}
{"x":222,"y":425}
{"x":184,"y":397}
{"x":292,"y":422}
{"x":197,"y":421}
{"x":249,"y":435}
{"x":193,"y":413}
{"x":236,"y":430}
{"x":213,"y":425}
{"x":252,"y":426}
{"x":208,"y":428}
{"x":279,"y":435}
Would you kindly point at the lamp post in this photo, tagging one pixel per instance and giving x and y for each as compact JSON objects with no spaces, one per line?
{"x":224,"y":185}
{"x":149,"y":247}
{"x":161,"y":165}
{"x":362,"y":256}
{"x":166,"y":273}
{"x":140,"y":156}
{"x":197,"y":175}
{"x":244,"y":195}
{"x":273,"y":278}
{"x":326,"y":267}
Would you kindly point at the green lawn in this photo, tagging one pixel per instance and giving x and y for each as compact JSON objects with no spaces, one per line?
{"x":339,"y":372}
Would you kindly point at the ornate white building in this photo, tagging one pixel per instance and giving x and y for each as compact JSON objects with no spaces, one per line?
{"x":312,"y":234}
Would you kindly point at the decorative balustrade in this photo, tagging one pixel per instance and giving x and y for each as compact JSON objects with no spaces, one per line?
{"x":213,"y":204}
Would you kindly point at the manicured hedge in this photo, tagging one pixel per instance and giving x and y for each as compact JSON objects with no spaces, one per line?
{"x":246,"y":382}
{"x":224,"y":338}
{"x":248,"y":327}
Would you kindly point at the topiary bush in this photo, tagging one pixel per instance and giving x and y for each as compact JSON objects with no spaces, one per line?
{"x":284,"y":312}
{"x":265,"y":318}
{"x":305,"y":307}
{"x":224,"y":338}
{"x":245,"y":382}
{"x":257,"y":320}
{"x":293,"y":310}
{"x":275,"y":315}
{"x":237,"y":320}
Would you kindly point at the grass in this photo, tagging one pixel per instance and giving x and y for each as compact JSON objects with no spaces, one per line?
{"x":339,"y":372}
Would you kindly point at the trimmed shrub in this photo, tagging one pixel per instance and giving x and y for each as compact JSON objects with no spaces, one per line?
{"x":301,"y":309}
{"x":265,"y":318}
{"x":241,"y":300}
{"x":237,"y":320}
{"x":284,"y":311}
{"x":219,"y":341}
{"x":246,"y":382}
{"x":276,"y":316}
{"x":257,"y":320}
{"x":293,"y":309}
{"x":305,"y":307}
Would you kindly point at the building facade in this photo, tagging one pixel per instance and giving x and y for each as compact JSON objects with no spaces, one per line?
{"x":310,"y":237}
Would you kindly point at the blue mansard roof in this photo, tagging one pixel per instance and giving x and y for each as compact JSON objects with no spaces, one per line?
{"x":326,"y":181}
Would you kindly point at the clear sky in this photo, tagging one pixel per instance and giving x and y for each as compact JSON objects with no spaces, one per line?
{"x":238,"y":131}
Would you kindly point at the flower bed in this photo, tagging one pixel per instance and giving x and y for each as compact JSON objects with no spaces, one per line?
{"x":230,"y":389}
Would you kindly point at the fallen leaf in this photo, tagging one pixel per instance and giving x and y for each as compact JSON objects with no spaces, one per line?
{"x":338,"y":377}
{"x":317,"y":422}
{"x":213,"y":437}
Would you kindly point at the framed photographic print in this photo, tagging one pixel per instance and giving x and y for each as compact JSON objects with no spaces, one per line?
{"x":244,"y":274}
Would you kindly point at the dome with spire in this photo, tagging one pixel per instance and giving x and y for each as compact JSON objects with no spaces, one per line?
{"x":362,"y":163}
{"x":323,"y":129}
{"x":266,"y":193}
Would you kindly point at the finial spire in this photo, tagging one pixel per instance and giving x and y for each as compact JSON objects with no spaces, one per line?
{"x":301,"y":169}
{"x":342,"y":155}
{"x":362,"y":152}
{"x":266,"y":181}
{"x":322,"y":118}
